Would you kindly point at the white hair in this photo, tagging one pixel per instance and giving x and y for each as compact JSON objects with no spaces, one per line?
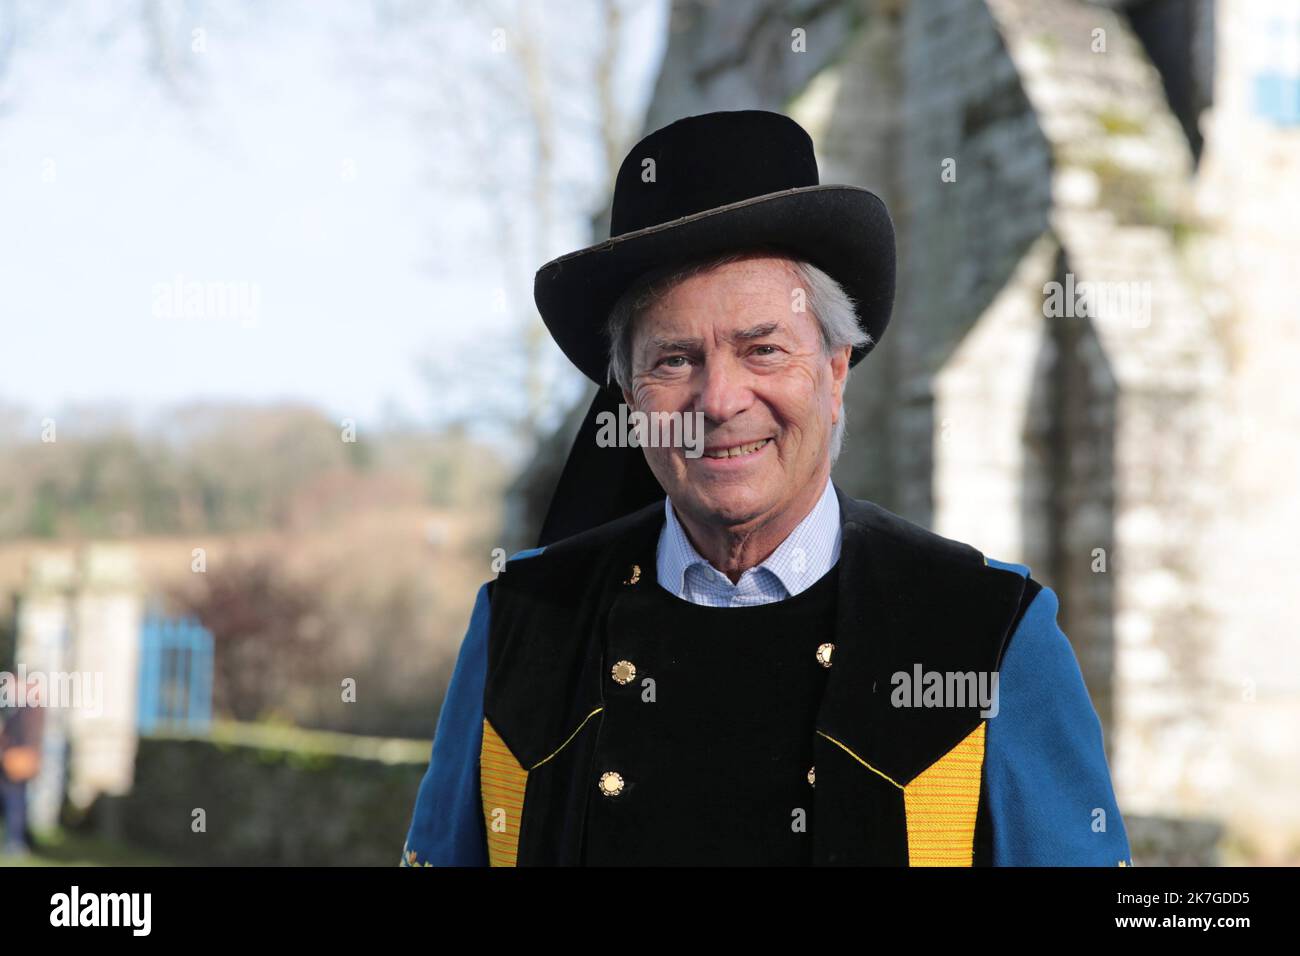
{"x":826,"y":299}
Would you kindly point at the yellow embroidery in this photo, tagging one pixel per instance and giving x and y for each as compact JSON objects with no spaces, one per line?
{"x":409,"y":858}
{"x":503,"y":782}
{"x":941,"y":805}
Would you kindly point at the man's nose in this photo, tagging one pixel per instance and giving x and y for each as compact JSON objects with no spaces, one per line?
{"x":724,"y":389}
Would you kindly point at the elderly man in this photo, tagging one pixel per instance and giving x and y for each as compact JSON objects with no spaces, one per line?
{"x":721,"y":658}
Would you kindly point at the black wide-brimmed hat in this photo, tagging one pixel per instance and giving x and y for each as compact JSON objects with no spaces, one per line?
{"x":702,"y":186}
{"x":708,"y":185}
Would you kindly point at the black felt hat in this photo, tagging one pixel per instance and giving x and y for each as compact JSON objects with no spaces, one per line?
{"x":707,"y":185}
{"x":701,"y":186}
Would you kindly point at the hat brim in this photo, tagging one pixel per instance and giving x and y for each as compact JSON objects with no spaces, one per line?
{"x":843,"y":230}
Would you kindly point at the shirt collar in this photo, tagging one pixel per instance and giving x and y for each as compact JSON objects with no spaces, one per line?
{"x":809,"y":551}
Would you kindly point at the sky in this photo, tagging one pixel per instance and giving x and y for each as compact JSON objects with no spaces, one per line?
{"x":296,"y":171}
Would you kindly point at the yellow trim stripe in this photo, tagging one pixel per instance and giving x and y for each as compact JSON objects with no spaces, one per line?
{"x":570,"y":737}
{"x":941,"y":805}
{"x":503,"y":782}
{"x":860,"y":760}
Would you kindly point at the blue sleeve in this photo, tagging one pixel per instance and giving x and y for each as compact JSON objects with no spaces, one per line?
{"x":447,"y":827}
{"x":1050,"y":795}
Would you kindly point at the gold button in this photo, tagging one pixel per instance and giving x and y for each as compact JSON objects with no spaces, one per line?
{"x":635,"y":575}
{"x":611,"y":783}
{"x":824,"y":654}
{"x":624,"y":672}
{"x":812,"y":776}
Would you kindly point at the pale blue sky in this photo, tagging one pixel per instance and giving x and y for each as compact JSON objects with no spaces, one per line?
{"x":298,"y":167}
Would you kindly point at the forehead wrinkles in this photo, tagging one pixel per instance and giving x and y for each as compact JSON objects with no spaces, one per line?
{"x":736,"y":286}
{"x":720,"y":308}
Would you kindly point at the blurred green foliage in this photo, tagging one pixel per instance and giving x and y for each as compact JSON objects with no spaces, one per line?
{"x":226,"y":469}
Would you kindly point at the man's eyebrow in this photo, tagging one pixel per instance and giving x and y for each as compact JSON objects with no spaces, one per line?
{"x":687,"y":345}
{"x":757,"y":331}
{"x":676,"y":345}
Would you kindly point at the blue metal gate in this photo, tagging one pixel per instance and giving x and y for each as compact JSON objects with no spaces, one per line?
{"x":175,"y":675}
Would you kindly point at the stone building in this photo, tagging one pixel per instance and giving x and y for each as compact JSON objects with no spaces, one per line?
{"x":78,"y":626}
{"x":1090,"y":368}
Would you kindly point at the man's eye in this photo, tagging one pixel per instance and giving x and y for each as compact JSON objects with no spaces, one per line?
{"x":772,"y":347}
{"x":672,"y":358}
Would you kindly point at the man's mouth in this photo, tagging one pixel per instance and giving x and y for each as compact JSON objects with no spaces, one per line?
{"x":736,"y":451}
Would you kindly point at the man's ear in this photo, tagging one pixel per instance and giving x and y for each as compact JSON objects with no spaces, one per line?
{"x":839,"y":373}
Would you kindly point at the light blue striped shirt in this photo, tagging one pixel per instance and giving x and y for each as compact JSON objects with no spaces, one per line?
{"x":799,"y":561}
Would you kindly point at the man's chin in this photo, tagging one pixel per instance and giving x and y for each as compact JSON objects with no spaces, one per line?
{"x":723,"y":506}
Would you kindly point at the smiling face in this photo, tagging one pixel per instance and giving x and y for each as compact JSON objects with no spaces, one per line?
{"x":729,"y":343}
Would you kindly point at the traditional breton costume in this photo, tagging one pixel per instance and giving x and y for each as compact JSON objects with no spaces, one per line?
{"x":619,"y":701}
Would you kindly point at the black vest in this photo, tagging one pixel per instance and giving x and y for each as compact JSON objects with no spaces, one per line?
{"x":893,"y":786}
{"x":746,"y":679}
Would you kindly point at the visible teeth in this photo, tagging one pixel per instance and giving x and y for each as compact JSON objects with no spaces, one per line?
{"x":738,"y":450}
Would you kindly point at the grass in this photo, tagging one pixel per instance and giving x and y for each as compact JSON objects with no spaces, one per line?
{"x":65,"y":848}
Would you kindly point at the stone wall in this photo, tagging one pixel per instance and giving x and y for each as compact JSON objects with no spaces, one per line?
{"x":1086,"y":445}
{"x":1134,"y":390}
{"x":853,"y":111}
{"x":270,"y":797}
{"x":1248,"y":196}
